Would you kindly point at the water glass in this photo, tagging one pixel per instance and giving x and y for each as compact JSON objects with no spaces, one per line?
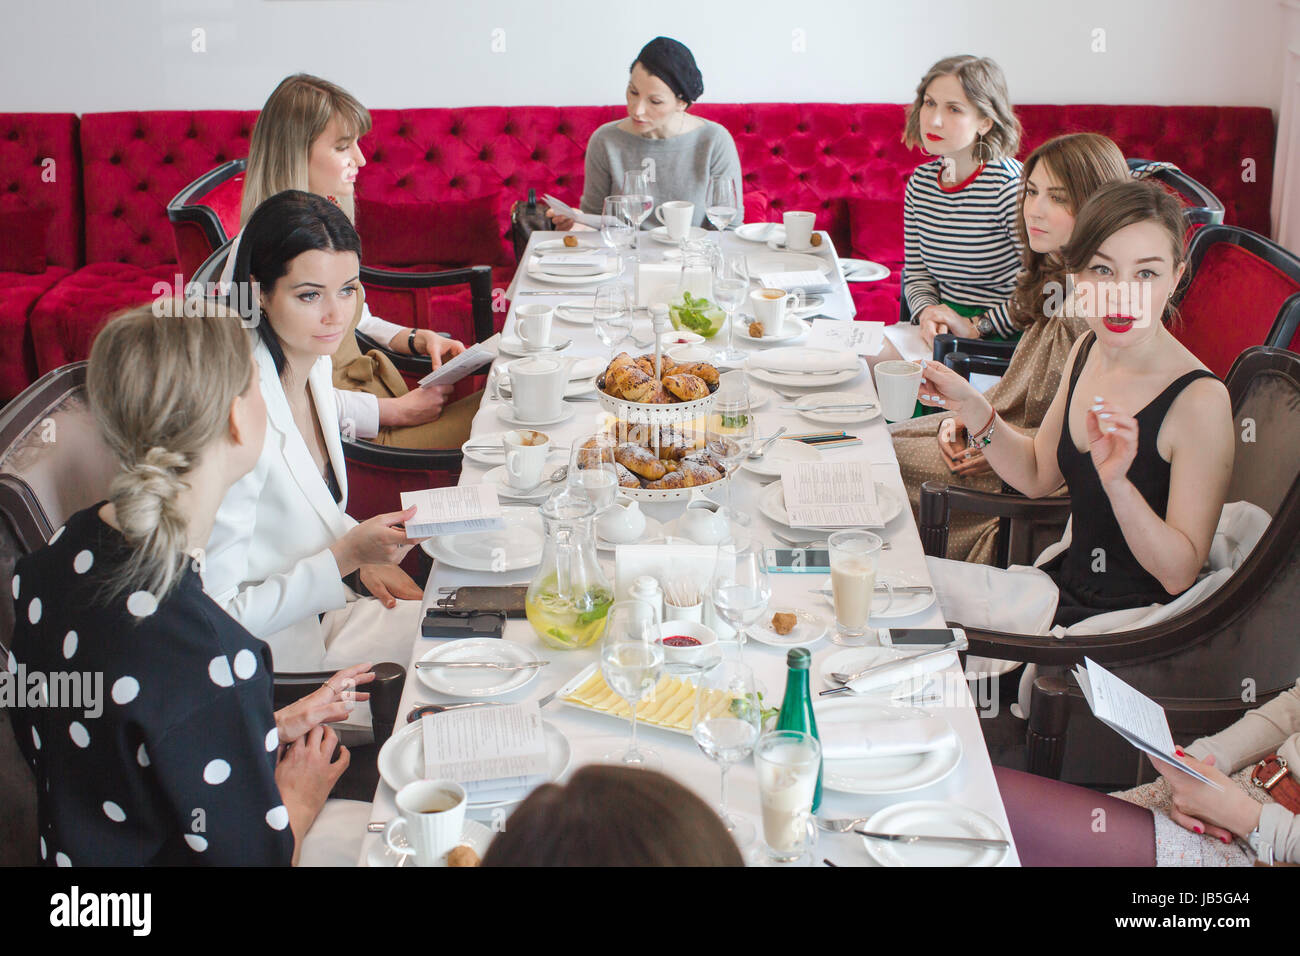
{"x":729,"y":436}
{"x":721,"y":202}
{"x":632,"y":661}
{"x":616,"y":226}
{"x":740,"y":587}
{"x":593,"y":473}
{"x":730,"y":289}
{"x":728,"y":719}
{"x":611,"y":314}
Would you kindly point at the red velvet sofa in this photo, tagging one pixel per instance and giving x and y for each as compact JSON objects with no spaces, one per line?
{"x":109,"y":244}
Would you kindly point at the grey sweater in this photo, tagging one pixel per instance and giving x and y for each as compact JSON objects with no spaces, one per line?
{"x":680,"y":166}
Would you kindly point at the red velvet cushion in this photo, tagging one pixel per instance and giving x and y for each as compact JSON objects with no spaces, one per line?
{"x":19,"y":292}
{"x":1230,"y":305}
{"x":460,"y":232}
{"x":40,"y":168}
{"x":24,"y":231}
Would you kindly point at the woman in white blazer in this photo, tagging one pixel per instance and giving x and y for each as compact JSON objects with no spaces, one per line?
{"x":282,"y":544}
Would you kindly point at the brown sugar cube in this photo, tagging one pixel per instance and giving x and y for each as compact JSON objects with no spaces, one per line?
{"x":784,"y":623}
{"x":462,"y":856}
{"x":570,"y":242}
{"x":816,"y":239}
{"x":756,"y":329}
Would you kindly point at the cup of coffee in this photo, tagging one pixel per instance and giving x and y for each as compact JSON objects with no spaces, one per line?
{"x":677,"y":217}
{"x":897,"y":384}
{"x":537,"y":388}
{"x":533,"y":325}
{"x":770,"y":306}
{"x":526,"y":452}
{"x":432,"y":817}
{"x":798,"y":230}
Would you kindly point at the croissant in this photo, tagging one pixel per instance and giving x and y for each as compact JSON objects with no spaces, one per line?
{"x":626,"y":479}
{"x":674,"y":479}
{"x":688,"y":388}
{"x":639,"y":461}
{"x":622,"y":381}
{"x":701,"y":370}
{"x":696,"y":473}
{"x":708,"y":460}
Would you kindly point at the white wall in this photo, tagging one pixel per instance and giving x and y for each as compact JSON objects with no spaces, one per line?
{"x":94,"y":55}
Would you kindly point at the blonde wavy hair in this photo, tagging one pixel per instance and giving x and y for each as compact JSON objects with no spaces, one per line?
{"x":158,"y":420}
{"x":986,"y":88}
{"x":294,"y":116}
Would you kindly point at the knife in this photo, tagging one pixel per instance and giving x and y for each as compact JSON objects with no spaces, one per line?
{"x":927,"y":838}
{"x":847,"y":679}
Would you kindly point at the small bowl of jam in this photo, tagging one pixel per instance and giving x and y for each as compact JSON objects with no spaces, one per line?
{"x":686,"y":642}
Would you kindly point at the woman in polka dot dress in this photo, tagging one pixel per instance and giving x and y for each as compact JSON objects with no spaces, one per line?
{"x":1059,"y":177}
{"x":150,"y":731}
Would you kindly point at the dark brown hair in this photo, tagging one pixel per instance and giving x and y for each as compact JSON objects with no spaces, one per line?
{"x":986,"y":88}
{"x":613,"y":816}
{"x":1082,"y":163}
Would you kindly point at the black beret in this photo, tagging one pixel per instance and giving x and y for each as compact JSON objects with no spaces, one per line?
{"x":673,"y":63}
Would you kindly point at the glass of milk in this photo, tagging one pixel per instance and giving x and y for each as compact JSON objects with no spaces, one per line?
{"x":853,"y":583}
{"x":787,"y":763}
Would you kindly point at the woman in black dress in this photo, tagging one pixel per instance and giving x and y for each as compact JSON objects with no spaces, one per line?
{"x":171,"y":753}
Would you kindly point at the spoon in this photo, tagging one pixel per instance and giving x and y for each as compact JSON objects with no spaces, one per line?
{"x":559,"y":474}
{"x":762,"y":449}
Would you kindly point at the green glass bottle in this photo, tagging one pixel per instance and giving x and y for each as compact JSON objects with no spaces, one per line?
{"x":797,"y":709}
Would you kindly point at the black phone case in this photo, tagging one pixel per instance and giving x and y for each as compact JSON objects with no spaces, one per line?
{"x":476,"y":598}
{"x":444,"y":624}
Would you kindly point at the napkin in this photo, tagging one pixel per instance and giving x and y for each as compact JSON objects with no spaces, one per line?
{"x":848,"y":737}
{"x":809,"y":281}
{"x":564,"y":209}
{"x":579,"y":265}
{"x":899,"y":672}
{"x":796,"y":360}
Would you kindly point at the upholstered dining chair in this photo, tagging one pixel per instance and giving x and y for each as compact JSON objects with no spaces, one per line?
{"x":53,"y":463}
{"x":1212,"y":662}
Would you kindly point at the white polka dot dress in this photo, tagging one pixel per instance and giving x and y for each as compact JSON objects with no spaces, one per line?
{"x":166,"y":752}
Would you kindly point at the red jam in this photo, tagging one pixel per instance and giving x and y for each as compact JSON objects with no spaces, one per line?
{"x":680,"y":640}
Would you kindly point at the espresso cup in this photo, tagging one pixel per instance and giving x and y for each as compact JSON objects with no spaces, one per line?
{"x":770,"y":305}
{"x":432,"y":815}
{"x":798,"y":230}
{"x":533,"y":325}
{"x":537,"y":388}
{"x":526,"y":453}
{"x":676,"y":216}
{"x":897,"y":384}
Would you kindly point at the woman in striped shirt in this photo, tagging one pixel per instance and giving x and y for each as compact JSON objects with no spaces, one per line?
{"x":959,"y":209}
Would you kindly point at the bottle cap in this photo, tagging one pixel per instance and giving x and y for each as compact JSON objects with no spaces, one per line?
{"x":798,"y":659}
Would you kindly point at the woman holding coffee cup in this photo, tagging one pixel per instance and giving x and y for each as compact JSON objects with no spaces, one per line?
{"x":679,"y":151}
{"x":306,"y":138}
{"x":1059,"y":177}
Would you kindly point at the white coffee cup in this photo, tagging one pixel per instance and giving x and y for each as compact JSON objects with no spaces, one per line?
{"x":798,"y":230}
{"x":537,"y":388}
{"x":432,"y":817}
{"x":526,"y":453}
{"x":770,"y":305}
{"x":533,"y":325}
{"x":897,"y":384}
{"x":677,"y":216}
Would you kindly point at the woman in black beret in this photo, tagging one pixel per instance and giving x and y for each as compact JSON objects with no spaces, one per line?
{"x":680,"y":152}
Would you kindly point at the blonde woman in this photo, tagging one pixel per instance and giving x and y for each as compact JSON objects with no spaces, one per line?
{"x":306,"y":137}
{"x":186,"y":716}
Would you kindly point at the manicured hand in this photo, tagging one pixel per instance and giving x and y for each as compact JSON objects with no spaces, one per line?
{"x":938,"y":319}
{"x":332,"y":701}
{"x":437,"y":347}
{"x":562,"y":223}
{"x":1203,"y":809}
{"x":941,"y":387}
{"x":388,"y":583}
{"x":1112,"y":441}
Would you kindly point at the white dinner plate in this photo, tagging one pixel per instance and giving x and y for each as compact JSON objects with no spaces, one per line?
{"x":553,"y":246}
{"x":506,"y":412}
{"x":934,"y":819}
{"x":475,"y":836}
{"x":575,"y":313}
{"x":401,"y":758}
{"x":810,"y":629}
{"x":854,"y":659}
{"x":762,"y":263}
{"x":808,"y":405}
{"x":512,"y":345}
{"x":518,"y":545}
{"x":654,"y":532}
{"x":802,"y":379}
{"x":876,"y":775}
{"x":793,"y":328}
{"x":534,"y":272}
{"x":771,"y":502}
{"x":783,"y":452}
{"x":812,"y":302}
{"x":904,"y":605}
{"x":496,"y":477}
{"x":863,"y":270}
{"x":761,"y":231}
{"x":475,"y":681}
{"x":497,"y":455}
{"x":660,"y":234}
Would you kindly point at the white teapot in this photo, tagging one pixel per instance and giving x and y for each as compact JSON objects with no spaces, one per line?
{"x":622,"y":523}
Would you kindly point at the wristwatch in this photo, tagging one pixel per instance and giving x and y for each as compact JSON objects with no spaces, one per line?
{"x":1263,"y":851}
{"x":410,"y":342}
{"x":984,"y":327}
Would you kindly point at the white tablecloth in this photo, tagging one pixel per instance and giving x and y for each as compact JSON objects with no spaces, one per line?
{"x":592,"y":735}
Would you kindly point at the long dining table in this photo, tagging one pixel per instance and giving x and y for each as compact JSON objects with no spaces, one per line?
{"x":591,"y":735}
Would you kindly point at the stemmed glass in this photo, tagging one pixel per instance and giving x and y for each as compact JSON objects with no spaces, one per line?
{"x":636,"y":188}
{"x":730,"y":286}
{"x":616,"y":226}
{"x":592,"y":471}
{"x":611,"y":314}
{"x":632,"y":661}
{"x":728,"y":719}
{"x":720,"y":202}
{"x":729,"y":436}
{"x":740,"y":587}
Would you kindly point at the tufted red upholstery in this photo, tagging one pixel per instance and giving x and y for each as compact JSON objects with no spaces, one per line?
{"x":19,"y":292}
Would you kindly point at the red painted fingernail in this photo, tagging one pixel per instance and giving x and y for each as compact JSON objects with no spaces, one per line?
{"x":1226,"y":840}
{"x":1198,"y":829}
{"x":1179,"y":752}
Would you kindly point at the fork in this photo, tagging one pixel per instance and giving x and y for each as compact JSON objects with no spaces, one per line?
{"x":839,"y":826}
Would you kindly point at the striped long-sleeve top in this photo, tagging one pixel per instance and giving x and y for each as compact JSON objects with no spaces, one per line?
{"x":960,"y":239}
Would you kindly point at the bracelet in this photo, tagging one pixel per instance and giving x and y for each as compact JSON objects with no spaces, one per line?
{"x":410,"y":342}
{"x":982,"y":436}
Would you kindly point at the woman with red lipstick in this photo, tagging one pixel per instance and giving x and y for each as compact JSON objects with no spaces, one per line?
{"x":1059,"y":177}
{"x":1140,"y":431}
{"x":959,"y":210}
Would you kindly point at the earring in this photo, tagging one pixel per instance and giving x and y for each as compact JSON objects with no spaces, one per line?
{"x":981,"y":145}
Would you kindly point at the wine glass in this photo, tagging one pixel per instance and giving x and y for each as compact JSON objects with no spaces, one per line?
{"x":740,"y":587}
{"x":616,"y":226}
{"x":632,"y":661}
{"x":728,"y":719}
{"x":592,"y":471}
{"x":611,"y":314}
{"x":730,"y":286}
{"x":729,"y":437}
{"x":636,"y":187}
{"x":720,"y":202}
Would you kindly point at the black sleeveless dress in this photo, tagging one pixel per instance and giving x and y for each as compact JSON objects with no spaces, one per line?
{"x":1098,"y":572}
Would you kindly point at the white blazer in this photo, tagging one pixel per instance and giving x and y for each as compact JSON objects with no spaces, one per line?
{"x":268,"y":561}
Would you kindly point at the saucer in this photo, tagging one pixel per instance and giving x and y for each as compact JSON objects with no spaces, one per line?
{"x":497,"y":478}
{"x":809,"y":407}
{"x":485,"y":456}
{"x":863,"y":270}
{"x":777,"y":244}
{"x":660,"y":234}
{"x":507,"y":414}
{"x":761,"y":231}
{"x":513,"y":345}
{"x":792,"y":329}
{"x":810,"y":629}
{"x":475,"y":836}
